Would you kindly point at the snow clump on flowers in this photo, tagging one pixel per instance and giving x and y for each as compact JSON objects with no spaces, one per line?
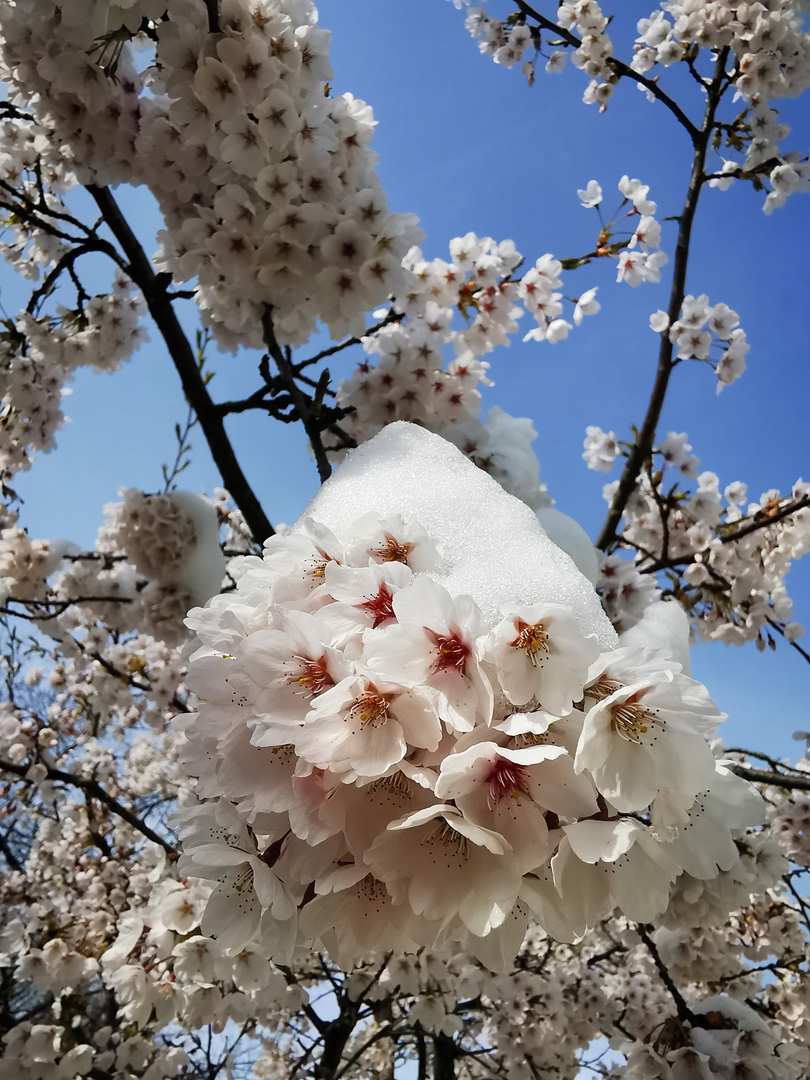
{"x":156,"y":556}
{"x":428,"y":734}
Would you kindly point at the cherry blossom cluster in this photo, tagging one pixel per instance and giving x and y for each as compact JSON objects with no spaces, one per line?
{"x":371,"y":741}
{"x":410,"y":380}
{"x":267,"y":186}
{"x":732,"y":559}
{"x":40,"y":357}
{"x":725,"y":1038}
{"x":156,"y":556}
{"x":768,"y":42}
{"x":640,"y":258}
{"x":698,"y":327}
{"x":769,"y":58}
{"x":506,"y":43}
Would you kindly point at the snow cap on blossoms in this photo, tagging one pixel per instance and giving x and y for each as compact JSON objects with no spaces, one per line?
{"x":407,"y":470}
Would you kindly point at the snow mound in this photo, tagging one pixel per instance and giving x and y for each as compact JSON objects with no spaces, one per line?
{"x":493,"y":546}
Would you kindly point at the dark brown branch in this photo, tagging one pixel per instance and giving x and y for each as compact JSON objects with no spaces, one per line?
{"x":160,"y":308}
{"x":212,"y":7}
{"x":755,"y":524}
{"x":644,"y":441}
{"x":96,"y":791}
{"x":383,"y":1033}
{"x":685,"y":1014}
{"x":299,"y":399}
{"x":764,"y":522}
{"x":391,"y":316}
{"x":8,"y":854}
{"x":765,"y":776}
{"x":621,"y":69}
{"x":445,"y":1055}
{"x":64,"y":263}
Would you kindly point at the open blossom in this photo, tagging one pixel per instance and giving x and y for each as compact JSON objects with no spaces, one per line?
{"x":601,"y":449}
{"x":540,"y":654}
{"x":434,"y":643}
{"x":591,"y":195}
{"x":649,"y":737}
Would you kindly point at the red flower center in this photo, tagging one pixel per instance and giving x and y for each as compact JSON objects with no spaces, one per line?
{"x":505,"y":778}
{"x":379,"y":607}
{"x":452,"y":652}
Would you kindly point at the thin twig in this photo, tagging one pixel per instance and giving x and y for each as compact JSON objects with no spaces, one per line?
{"x":684,"y":1012}
{"x":621,"y":69}
{"x":644,"y":441}
{"x":299,"y":399}
{"x":95,"y":790}
{"x":182,"y":355}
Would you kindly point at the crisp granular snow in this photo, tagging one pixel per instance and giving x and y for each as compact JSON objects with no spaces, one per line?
{"x":493,"y":546}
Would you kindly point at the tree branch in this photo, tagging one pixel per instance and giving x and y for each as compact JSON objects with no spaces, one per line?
{"x":297,"y":396}
{"x":776,"y":779}
{"x":95,"y":790}
{"x":621,"y":69}
{"x":684,"y":1012}
{"x":445,"y":1054}
{"x":160,"y":308}
{"x":644,"y":441}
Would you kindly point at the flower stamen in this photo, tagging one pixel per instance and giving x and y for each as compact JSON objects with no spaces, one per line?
{"x":630,"y":719}
{"x":533,"y":639}
{"x":312,"y":677}
{"x":371,"y":707}
{"x":393,"y":550}
{"x":452,"y":652}
{"x":506,"y":779}
{"x":603,"y":687}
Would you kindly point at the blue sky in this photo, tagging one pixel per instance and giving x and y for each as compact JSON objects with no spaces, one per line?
{"x":469,"y":146}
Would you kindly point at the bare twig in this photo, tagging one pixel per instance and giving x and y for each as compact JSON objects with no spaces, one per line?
{"x":303,"y":406}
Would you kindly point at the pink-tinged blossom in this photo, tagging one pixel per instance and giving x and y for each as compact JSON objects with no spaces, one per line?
{"x":434,"y":644}
{"x":291,"y":666}
{"x":510,"y":789}
{"x":447,"y":869}
{"x":392,"y":540}
{"x":363,"y":726}
{"x":541,"y":654}
{"x":648,"y":738}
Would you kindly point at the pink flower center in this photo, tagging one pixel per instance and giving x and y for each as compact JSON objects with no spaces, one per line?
{"x":313,"y":676}
{"x":506,"y":779}
{"x":452,"y":652}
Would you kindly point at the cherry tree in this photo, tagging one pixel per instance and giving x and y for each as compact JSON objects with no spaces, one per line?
{"x":421,"y":784}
